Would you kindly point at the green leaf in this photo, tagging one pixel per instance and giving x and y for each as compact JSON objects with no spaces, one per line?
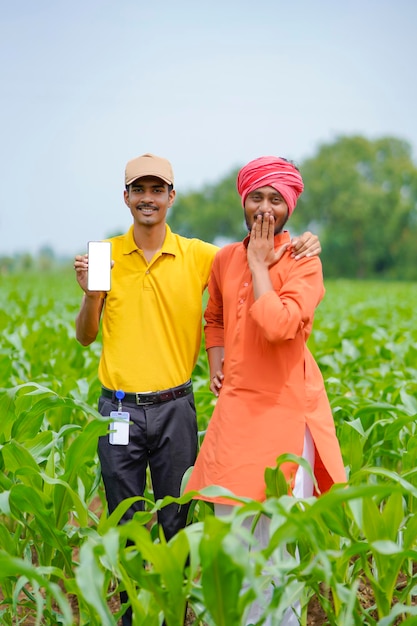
{"x":222,"y":577}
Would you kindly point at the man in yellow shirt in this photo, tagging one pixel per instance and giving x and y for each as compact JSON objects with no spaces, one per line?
{"x":152,"y":319}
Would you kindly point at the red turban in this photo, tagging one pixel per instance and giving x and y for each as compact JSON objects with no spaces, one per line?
{"x":272,"y":172}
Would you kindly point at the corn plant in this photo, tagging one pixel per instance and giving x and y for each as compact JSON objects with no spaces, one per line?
{"x":63,"y":560}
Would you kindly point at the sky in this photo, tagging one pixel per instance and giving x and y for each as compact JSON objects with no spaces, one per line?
{"x":89,"y":84}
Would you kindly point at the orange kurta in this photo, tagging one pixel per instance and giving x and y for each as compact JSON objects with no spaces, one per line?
{"x":272,"y":386}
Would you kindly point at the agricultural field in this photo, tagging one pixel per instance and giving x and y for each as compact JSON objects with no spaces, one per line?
{"x":352,"y":551}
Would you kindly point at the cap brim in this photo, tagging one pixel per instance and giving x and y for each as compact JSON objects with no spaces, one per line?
{"x":155,"y":175}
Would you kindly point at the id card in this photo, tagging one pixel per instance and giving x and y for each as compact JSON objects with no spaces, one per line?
{"x":119,"y":428}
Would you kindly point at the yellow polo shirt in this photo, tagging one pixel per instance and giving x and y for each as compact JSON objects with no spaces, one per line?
{"x":152,"y":318}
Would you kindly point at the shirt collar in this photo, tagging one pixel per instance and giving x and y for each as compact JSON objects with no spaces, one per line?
{"x":168,"y":247}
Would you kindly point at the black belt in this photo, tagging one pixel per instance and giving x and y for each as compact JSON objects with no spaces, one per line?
{"x":151,"y":397}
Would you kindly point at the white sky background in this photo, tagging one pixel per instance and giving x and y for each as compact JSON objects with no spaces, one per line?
{"x":87,"y":85}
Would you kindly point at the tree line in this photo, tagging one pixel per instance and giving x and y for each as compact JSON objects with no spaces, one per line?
{"x":360,"y":197}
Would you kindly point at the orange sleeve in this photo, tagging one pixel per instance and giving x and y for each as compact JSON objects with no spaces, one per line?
{"x":280,"y":314}
{"x":214,"y":327}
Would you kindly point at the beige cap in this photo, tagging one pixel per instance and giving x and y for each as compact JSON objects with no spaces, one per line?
{"x":149,"y":165}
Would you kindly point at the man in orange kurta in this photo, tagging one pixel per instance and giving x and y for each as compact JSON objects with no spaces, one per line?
{"x":271,"y":395}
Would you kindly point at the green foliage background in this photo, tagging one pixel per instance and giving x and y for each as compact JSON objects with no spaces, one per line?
{"x":64,"y":561}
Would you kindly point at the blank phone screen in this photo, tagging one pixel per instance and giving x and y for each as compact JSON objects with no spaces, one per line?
{"x":99,"y":266}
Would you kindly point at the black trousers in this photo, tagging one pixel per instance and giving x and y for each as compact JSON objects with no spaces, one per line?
{"x":163,"y":436}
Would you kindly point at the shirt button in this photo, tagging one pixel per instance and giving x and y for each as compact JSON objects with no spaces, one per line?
{"x":245,"y":284}
{"x":147,"y":272}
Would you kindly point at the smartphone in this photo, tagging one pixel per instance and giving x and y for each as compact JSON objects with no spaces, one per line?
{"x":99,"y":266}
